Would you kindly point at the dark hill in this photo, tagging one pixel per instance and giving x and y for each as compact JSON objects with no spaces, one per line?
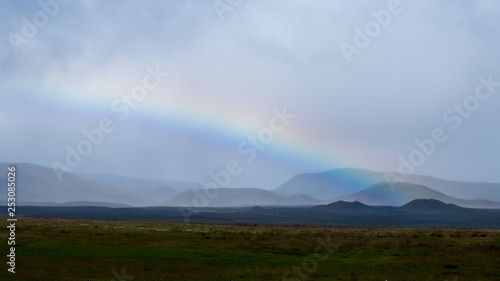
{"x":258,"y":210}
{"x":343,"y":206}
{"x":430,"y":205}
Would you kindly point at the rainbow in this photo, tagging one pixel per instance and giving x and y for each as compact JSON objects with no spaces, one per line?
{"x":295,"y":149}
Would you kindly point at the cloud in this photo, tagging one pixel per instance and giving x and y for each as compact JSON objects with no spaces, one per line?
{"x":230,"y":74}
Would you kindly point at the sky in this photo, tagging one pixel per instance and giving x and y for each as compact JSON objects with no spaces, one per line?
{"x":248,"y":93}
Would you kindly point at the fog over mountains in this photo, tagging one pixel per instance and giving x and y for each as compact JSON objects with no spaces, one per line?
{"x":40,"y":186}
{"x":36,"y":184}
{"x":239,"y":197}
{"x":347,"y":181}
{"x":397,"y":194}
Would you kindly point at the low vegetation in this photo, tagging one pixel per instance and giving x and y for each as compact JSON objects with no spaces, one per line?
{"x":59,"y":249}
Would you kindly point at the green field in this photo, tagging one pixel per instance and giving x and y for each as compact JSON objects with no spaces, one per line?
{"x":58,"y":249}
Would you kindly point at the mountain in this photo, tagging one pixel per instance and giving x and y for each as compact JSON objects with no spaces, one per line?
{"x":343,"y":205}
{"x":232,"y":197}
{"x":158,"y":191}
{"x":417,"y":213}
{"x":430,"y":206}
{"x":342,"y":182}
{"x":161,"y":194}
{"x":77,"y":204}
{"x":397,"y":194}
{"x":133,"y":184}
{"x":40,"y":184}
{"x":258,"y":210}
{"x":302,"y":199}
{"x":466,"y":190}
{"x":183,"y":186}
{"x":138,"y":184}
{"x":330,"y":184}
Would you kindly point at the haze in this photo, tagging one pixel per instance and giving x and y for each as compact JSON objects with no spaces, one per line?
{"x":228,"y":74}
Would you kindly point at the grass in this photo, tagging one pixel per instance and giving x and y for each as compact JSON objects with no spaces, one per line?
{"x":59,"y":249}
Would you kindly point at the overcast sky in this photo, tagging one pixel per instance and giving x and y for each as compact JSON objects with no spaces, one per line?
{"x":360,"y":81}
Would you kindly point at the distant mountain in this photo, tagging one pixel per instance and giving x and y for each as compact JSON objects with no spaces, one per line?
{"x":341,"y":182}
{"x":130,"y":183}
{"x":343,"y":205}
{"x":232,"y":197}
{"x":397,"y":194}
{"x":330,"y":184}
{"x":138,"y":184}
{"x":161,"y":194}
{"x":466,"y":190}
{"x":183,"y":186}
{"x":40,"y":184}
{"x":76,"y":204}
{"x":417,"y":213}
{"x":430,"y":205}
{"x":302,"y":199}
{"x":345,"y":208}
{"x":258,"y":210}
{"x":496,"y":199}
{"x":158,"y":191}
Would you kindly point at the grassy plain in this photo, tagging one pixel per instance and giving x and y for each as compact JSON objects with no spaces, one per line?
{"x":60,"y":249}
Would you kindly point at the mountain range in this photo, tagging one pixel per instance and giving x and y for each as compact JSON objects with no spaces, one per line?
{"x":37,"y":185}
{"x":342,"y":182}
{"x":40,"y":184}
{"x":417,"y":213}
{"x":397,"y":194}
{"x":239,"y":197}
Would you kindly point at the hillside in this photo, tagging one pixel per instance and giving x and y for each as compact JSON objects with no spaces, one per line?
{"x":161,"y":193}
{"x":232,"y":197}
{"x":138,"y":184}
{"x":40,"y":184}
{"x":466,"y":190}
{"x":335,"y":184}
{"x":397,"y":194}
{"x":330,"y":184}
{"x":430,"y":205}
{"x":343,"y":205}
